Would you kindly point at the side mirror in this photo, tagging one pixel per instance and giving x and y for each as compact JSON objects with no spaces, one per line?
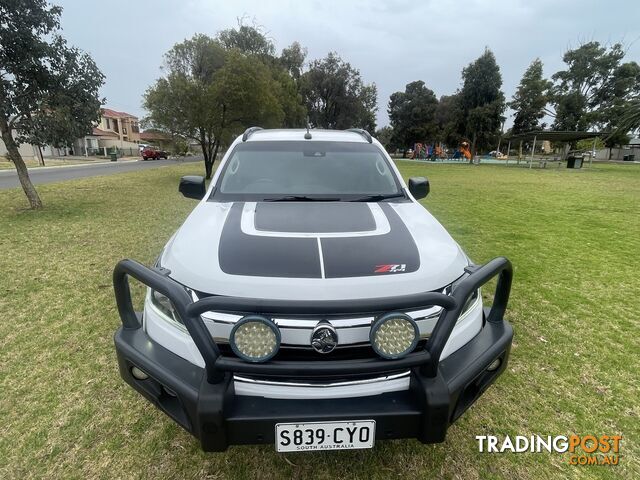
{"x":419,"y":187}
{"x":192,"y":186}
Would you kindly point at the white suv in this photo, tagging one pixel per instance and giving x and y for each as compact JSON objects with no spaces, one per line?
{"x":310,"y":301}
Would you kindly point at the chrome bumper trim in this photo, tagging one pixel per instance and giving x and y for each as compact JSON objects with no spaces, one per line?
{"x":296,"y":332}
{"x":298,"y":390}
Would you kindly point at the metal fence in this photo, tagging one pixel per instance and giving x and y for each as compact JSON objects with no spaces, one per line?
{"x":107,"y":151}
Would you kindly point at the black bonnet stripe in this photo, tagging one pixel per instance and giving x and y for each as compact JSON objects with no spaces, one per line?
{"x":242,"y":254}
{"x":361,"y":256}
{"x":295,"y":257}
{"x":311,"y":217}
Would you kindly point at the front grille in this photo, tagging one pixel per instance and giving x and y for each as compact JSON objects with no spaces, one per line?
{"x":357,"y":352}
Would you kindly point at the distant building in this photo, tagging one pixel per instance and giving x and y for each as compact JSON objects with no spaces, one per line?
{"x":628,"y":152}
{"x":114,"y":130}
{"x":123,"y":124}
{"x":156,"y":138}
{"x":27,"y":151}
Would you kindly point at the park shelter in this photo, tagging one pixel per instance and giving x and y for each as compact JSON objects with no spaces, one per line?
{"x":559,"y":136}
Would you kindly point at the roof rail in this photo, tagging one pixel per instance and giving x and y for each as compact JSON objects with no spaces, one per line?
{"x":248,"y":132}
{"x":366,"y":135}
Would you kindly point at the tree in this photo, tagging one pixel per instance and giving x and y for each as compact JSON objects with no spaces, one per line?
{"x":412,"y":115}
{"x":595,"y":89}
{"x":292,"y":59}
{"x":368,"y":106}
{"x":252,"y":41}
{"x":250,"y":94}
{"x":630,"y":120}
{"x":210,"y":93}
{"x":198,"y":58}
{"x":530,"y":99}
{"x":185,"y":102}
{"x":384,"y":136}
{"x":446,"y":117}
{"x":48,"y":90}
{"x":618,"y":110}
{"x":288,"y":93}
{"x":482,"y":102}
{"x":287,"y":71}
{"x":248,"y":39}
{"x":336,"y":96}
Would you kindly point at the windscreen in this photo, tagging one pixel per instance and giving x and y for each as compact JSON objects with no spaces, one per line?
{"x":334,"y":169}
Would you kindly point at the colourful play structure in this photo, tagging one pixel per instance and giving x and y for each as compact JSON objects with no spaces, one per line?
{"x":421,"y":150}
{"x":437,"y":151}
{"x":464,"y":149}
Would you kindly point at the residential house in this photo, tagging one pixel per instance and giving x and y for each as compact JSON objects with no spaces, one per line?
{"x":27,"y":151}
{"x":115,"y":130}
{"x":123,"y":124}
{"x":157,"y":138}
{"x":94,"y":142}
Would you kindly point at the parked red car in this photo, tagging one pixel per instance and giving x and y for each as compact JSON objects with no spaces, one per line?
{"x":150,"y":153}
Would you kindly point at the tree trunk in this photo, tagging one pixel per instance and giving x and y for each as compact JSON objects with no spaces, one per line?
{"x":215,"y":151}
{"x":519,"y":152}
{"x":40,"y":156}
{"x":216,"y":142}
{"x":208,"y":164}
{"x":473,"y":149}
{"x":23,"y":174}
{"x":210,"y":151}
{"x":206,"y":152}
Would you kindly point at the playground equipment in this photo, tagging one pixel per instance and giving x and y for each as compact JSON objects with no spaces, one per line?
{"x":436,"y":151}
{"x":465,"y":151}
{"x":426,"y":151}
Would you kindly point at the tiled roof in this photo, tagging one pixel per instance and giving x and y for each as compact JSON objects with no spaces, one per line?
{"x":154,"y":136}
{"x":103,"y":133}
{"x":107,"y":112}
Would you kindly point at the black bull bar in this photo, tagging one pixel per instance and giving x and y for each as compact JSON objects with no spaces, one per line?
{"x":426,"y":359}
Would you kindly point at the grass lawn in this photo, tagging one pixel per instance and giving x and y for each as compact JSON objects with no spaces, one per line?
{"x":50,"y":162}
{"x":573,"y":236}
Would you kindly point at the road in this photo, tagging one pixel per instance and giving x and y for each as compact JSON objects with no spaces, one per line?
{"x":39,"y":175}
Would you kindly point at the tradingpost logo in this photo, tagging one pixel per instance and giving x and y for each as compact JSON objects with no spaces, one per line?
{"x":582,"y":449}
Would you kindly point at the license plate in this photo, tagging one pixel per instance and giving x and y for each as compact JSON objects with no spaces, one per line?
{"x":348,"y":435}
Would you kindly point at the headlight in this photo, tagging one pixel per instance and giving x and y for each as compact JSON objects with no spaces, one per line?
{"x":471,"y":301}
{"x":164,"y":305}
{"x":394,"y":335}
{"x":255,"y":339}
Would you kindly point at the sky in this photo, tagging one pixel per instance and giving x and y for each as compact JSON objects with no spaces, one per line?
{"x":390,"y":42}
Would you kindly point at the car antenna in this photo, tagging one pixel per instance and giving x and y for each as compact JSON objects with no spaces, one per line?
{"x":307,"y":136}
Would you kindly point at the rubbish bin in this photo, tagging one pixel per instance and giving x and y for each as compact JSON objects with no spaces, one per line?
{"x":114,"y":157}
{"x":574,"y":162}
{"x":628,"y":158}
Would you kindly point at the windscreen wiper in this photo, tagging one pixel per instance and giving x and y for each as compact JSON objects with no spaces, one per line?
{"x":379,"y":197}
{"x":300,"y":198}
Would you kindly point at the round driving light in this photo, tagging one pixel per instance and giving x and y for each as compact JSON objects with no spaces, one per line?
{"x":255,"y":339}
{"x":138,"y":374}
{"x":394,"y":335}
{"x":494,"y":365}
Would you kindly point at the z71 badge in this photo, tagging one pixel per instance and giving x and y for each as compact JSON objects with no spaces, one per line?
{"x":391,"y":268}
